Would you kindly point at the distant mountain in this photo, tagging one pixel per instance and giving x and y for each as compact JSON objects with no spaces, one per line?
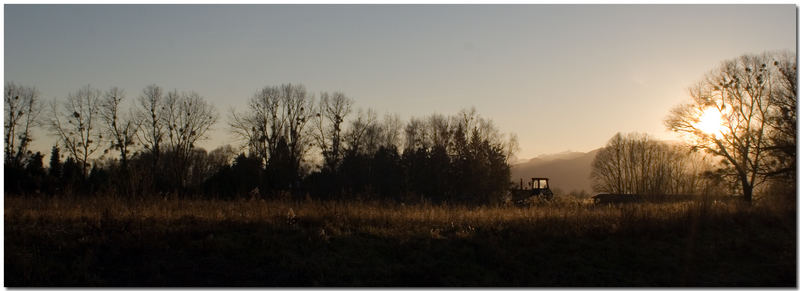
{"x":568,"y":171}
{"x":565,"y":155}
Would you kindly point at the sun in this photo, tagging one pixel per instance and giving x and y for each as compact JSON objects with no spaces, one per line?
{"x":710,"y":122}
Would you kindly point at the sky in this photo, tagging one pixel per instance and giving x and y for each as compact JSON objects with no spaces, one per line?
{"x":561,"y":77}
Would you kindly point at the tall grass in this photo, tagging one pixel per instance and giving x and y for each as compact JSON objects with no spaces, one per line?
{"x":560,"y":216}
{"x":670,"y":244}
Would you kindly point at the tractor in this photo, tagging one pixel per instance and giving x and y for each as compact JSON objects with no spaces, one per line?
{"x":537,"y":187}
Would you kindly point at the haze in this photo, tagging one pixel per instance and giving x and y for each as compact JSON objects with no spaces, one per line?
{"x":562,"y":77}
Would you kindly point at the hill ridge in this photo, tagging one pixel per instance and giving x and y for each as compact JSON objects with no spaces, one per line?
{"x":568,"y":170}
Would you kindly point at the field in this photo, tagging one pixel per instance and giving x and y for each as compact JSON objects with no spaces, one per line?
{"x":107,"y":242}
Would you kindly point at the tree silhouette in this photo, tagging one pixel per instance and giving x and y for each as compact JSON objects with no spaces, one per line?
{"x":188,"y":117}
{"x":149,"y":117}
{"x":333,"y":109}
{"x":76,"y":125}
{"x":460,"y":158}
{"x":22,"y":108}
{"x":121,"y":129}
{"x":743,"y":91}
{"x":55,"y":162}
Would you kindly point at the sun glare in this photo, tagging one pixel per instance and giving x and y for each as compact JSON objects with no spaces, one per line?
{"x":710,"y":122}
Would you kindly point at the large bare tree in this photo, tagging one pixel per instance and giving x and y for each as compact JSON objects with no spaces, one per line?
{"x":260,"y":125}
{"x":22,"y":109}
{"x":149,"y":117}
{"x":298,"y":108}
{"x":332,"y":111}
{"x":121,"y":128}
{"x":741,"y":92}
{"x":75,"y":123}
{"x":188,"y":117}
{"x":275,"y":114}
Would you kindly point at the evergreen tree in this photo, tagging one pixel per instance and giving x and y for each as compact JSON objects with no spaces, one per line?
{"x":55,"y":162}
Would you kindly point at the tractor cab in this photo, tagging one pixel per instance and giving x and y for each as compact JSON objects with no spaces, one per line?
{"x":540,"y":186}
{"x":535,"y":187}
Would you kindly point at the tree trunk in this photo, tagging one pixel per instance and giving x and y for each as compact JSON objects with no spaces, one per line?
{"x":748,"y":191}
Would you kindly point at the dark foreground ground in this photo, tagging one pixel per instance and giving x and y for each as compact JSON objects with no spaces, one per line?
{"x":272,"y":243}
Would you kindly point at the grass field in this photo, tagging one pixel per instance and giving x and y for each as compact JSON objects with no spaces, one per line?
{"x":107,"y":242}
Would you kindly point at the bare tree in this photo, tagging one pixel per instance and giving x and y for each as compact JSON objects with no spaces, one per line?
{"x":466,"y":118}
{"x":149,"y":117}
{"x":22,"y":109}
{"x":276,"y":113}
{"x":392,"y":130}
{"x":607,"y":167}
{"x":362,"y":135}
{"x":511,"y":147}
{"x":332,"y":111}
{"x":260,"y":126}
{"x":75,"y":125}
{"x":188,"y":117}
{"x":488,"y":131}
{"x":298,"y":109}
{"x":373,"y":138}
{"x":740,"y":90}
{"x":121,"y":129}
{"x":416,"y":135}
{"x":439,"y":130}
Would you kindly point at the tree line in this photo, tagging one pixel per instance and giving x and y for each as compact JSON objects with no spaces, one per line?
{"x":635,"y":163}
{"x":290,"y":143}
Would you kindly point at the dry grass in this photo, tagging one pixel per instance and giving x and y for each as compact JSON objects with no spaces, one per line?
{"x":574,"y":215}
{"x":280,"y":242}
